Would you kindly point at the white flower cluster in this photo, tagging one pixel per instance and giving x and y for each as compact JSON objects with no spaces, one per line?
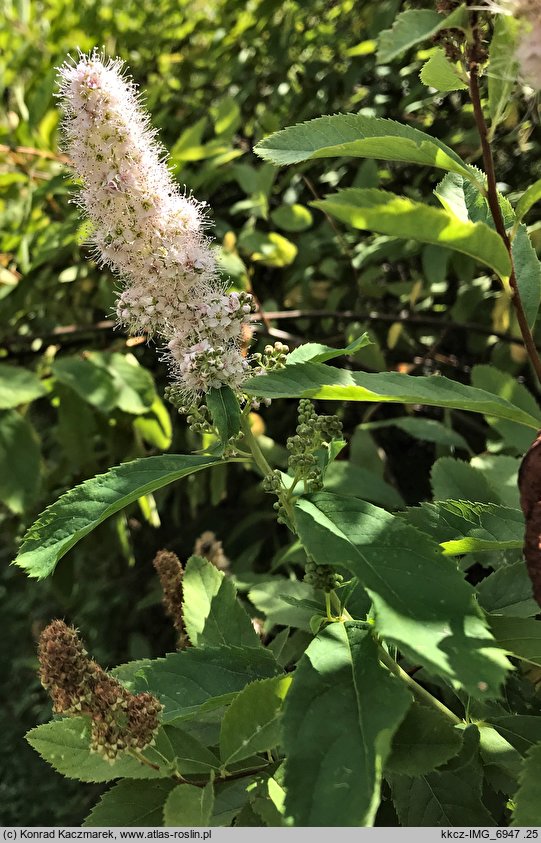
{"x":528,"y":51}
{"x":148,"y":231}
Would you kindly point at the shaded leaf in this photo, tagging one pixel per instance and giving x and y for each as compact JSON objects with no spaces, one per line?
{"x":187,"y":805}
{"x":340,"y":715}
{"x":447,"y":797}
{"x":252,"y":722}
{"x":527,"y":810}
{"x":131,"y":803}
{"x":197,"y":680}
{"x":411,"y":27}
{"x":18,"y":386}
{"x":508,"y":591}
{"x":528,"y":273}
{"x":438,"y":624}
{"x":519,"y":636}
{"x":20,"y":462}
{"x":423,"y":741}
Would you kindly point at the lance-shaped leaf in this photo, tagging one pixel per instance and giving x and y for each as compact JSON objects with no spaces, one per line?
{"x":528,"y":200}
{"x":225,"y":411}
{"x":318,"y":353}
{"x":340,"y":715}
{"x":361,"y":137}
{"x":80,"y":510}
{"x":422,"y":603}
{"x":316,"y":380}
{"x":211,"y":612}
{"x":385,"y":213}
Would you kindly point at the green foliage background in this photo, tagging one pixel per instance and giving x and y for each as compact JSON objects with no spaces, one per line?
{"x":218,"y":76}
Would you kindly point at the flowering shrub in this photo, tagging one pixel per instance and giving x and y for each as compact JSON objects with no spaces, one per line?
{"x":391,"y":681}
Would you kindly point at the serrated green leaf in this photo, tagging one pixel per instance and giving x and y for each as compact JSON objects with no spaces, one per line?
{"x":361,"y":137}
{"x":131,"y":803}
{"x":447,"y":797}
{"x":200,"y":680}
{"x":441,"y":74}
{"x":462,"y":198}
{"x":465,"y":527}
{"x":527,"y":799}
{"x":229,"y":799}
{"x":453,"y":479}
{"x":386,"y":213}
{"x":80,"y":510}
{"x":225,"y":412}
{"x":318,"y":353}
{"x":65,"y":745}
{"x":421,"y":602}
{"x":508,"y":591}
{"x":252,"y":722}
{"x":424,"y":740}
{"x":519,"y":636}
{"x":316,"y":380}
{"x":187,"y":805}
{"x":20,"y":462}
{"x":212,"y":614}
{"x":522,"y":731}
{"x":528,"y":273}
{"x":412,"y":27}
{"x":339,"y":719}
{"x":270,"y":598}
{"x":18,"y":386}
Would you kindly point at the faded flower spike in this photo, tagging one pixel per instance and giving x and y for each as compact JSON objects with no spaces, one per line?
{"x":77,"y":685}
{"x":170,"y":571}
{"x":148,"y":231}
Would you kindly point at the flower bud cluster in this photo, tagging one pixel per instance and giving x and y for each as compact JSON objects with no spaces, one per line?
{"x":273,"y":357}
{"x":312,"y":433}
{"x":170,"y":571}
{"x":322,"y":577}
{"x":148,"y":231}
{"x":78,"y":685}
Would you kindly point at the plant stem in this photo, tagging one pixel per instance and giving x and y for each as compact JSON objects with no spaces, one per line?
{"x":261,"y":462}
{"x":492,"y":197}
{"x":416,"y":689}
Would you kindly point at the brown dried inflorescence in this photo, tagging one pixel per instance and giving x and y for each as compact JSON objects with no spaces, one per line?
{"x":170,"y":571}
{"x":77,"y":685}
{"x":529,"y":481}
{"x":209,"y":547}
